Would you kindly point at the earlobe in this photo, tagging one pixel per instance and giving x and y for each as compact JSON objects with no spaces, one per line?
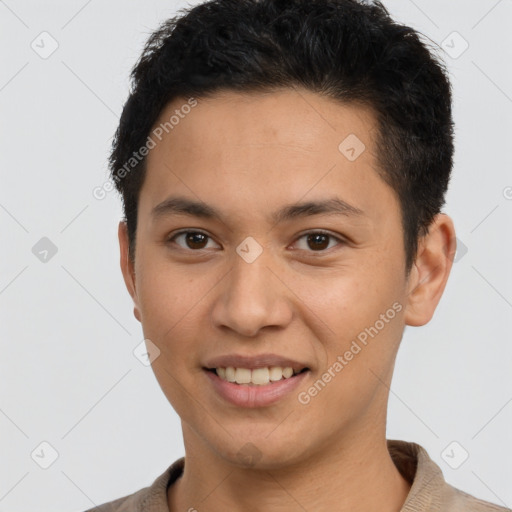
{"x":430,"y":271}
{"x":127,"y":267}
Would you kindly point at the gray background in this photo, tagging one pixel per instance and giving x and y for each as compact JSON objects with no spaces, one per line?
{"x":67,"y":332}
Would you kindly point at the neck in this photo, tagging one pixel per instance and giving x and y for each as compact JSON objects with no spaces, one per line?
{"x":358,"y":474}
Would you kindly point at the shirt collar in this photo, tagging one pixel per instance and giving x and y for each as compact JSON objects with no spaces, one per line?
{"x":411,"y":459}
{"x":426,"y":477}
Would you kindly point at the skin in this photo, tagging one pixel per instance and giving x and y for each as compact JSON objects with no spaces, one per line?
{"x":248,"y":155}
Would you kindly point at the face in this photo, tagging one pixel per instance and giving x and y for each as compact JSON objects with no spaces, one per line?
{"x":254,"y":280}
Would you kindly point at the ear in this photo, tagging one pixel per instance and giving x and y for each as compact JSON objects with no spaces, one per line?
{"x":430,"y":271}
{"x":127,"y":267}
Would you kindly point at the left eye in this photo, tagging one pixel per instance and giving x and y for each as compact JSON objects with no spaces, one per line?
{"x":318,"y":240}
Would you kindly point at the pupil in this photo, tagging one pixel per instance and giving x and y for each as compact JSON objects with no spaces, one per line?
{"x":192,"y":240}
{"x":316,"y":238}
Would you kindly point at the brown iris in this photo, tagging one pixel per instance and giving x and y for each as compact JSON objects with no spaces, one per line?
{"x":195,"y":239}
{"x":317,"y":240}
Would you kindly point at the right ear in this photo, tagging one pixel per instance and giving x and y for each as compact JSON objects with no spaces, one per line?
{"x":127,"y":267}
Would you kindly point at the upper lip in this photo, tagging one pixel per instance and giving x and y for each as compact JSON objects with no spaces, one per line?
{"x":252,"y":362}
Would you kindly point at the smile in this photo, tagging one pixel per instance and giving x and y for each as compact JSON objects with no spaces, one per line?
{"x":249,"y":394}
{"x":257,"y":376}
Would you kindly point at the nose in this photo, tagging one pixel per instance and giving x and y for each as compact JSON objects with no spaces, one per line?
{"x":252,"y":296}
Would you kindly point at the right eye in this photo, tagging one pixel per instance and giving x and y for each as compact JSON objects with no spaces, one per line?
{"x":193,"y":240}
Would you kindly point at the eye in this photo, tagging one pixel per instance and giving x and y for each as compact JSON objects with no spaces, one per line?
{"x":318,"y":241}
{"x":196,"y":240}
{"x":315,"y":241}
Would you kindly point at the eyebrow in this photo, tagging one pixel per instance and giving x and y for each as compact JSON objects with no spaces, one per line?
{"x":185,"y":206}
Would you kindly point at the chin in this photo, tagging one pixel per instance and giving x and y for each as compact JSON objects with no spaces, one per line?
{"x":261,"y":452}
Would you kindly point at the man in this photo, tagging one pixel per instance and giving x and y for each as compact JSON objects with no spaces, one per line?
{"x":283,"y":165}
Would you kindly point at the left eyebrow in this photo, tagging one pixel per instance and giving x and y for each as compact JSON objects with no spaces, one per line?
{"x":332,"y":206}
{"x":185,"y":206}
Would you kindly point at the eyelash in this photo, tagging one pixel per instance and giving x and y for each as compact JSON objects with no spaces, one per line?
{"x":171,"y":239}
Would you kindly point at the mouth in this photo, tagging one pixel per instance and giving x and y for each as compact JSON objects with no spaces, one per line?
{"x":254,"y":381}
{"x":261,"y":376}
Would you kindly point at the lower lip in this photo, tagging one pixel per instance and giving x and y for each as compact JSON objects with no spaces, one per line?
{"x":244,"y":395}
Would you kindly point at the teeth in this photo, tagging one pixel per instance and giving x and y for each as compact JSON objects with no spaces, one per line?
{"x":242,"y":376}
{"x":258,"y":376}
{"x":287,"y":372}
{"x":276,"y":373}
{"x":230,"y":374}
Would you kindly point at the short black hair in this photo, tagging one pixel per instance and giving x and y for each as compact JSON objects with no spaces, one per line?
{"x":347,"y":50}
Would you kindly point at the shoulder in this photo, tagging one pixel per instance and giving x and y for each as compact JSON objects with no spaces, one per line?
{"x":457,"y":500}
{"x":152,"y":497}
{"x":127,"y":503}
{"x":119,"y":505}
{"x":429,"y":489}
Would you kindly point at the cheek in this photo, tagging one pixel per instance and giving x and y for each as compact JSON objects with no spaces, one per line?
{"x":362,"y":312}
{"x":359,"y":355}
{"x":169,"y":302}
{"x":167,"y":291}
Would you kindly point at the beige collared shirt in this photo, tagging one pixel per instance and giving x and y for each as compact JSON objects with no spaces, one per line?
{"x":429,"y":491}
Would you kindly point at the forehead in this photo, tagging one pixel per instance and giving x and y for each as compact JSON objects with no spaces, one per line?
{"x":257,"y":150}
{"x":298,"y":118}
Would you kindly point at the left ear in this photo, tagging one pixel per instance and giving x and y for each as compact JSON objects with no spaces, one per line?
{"x":430,"y":270}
